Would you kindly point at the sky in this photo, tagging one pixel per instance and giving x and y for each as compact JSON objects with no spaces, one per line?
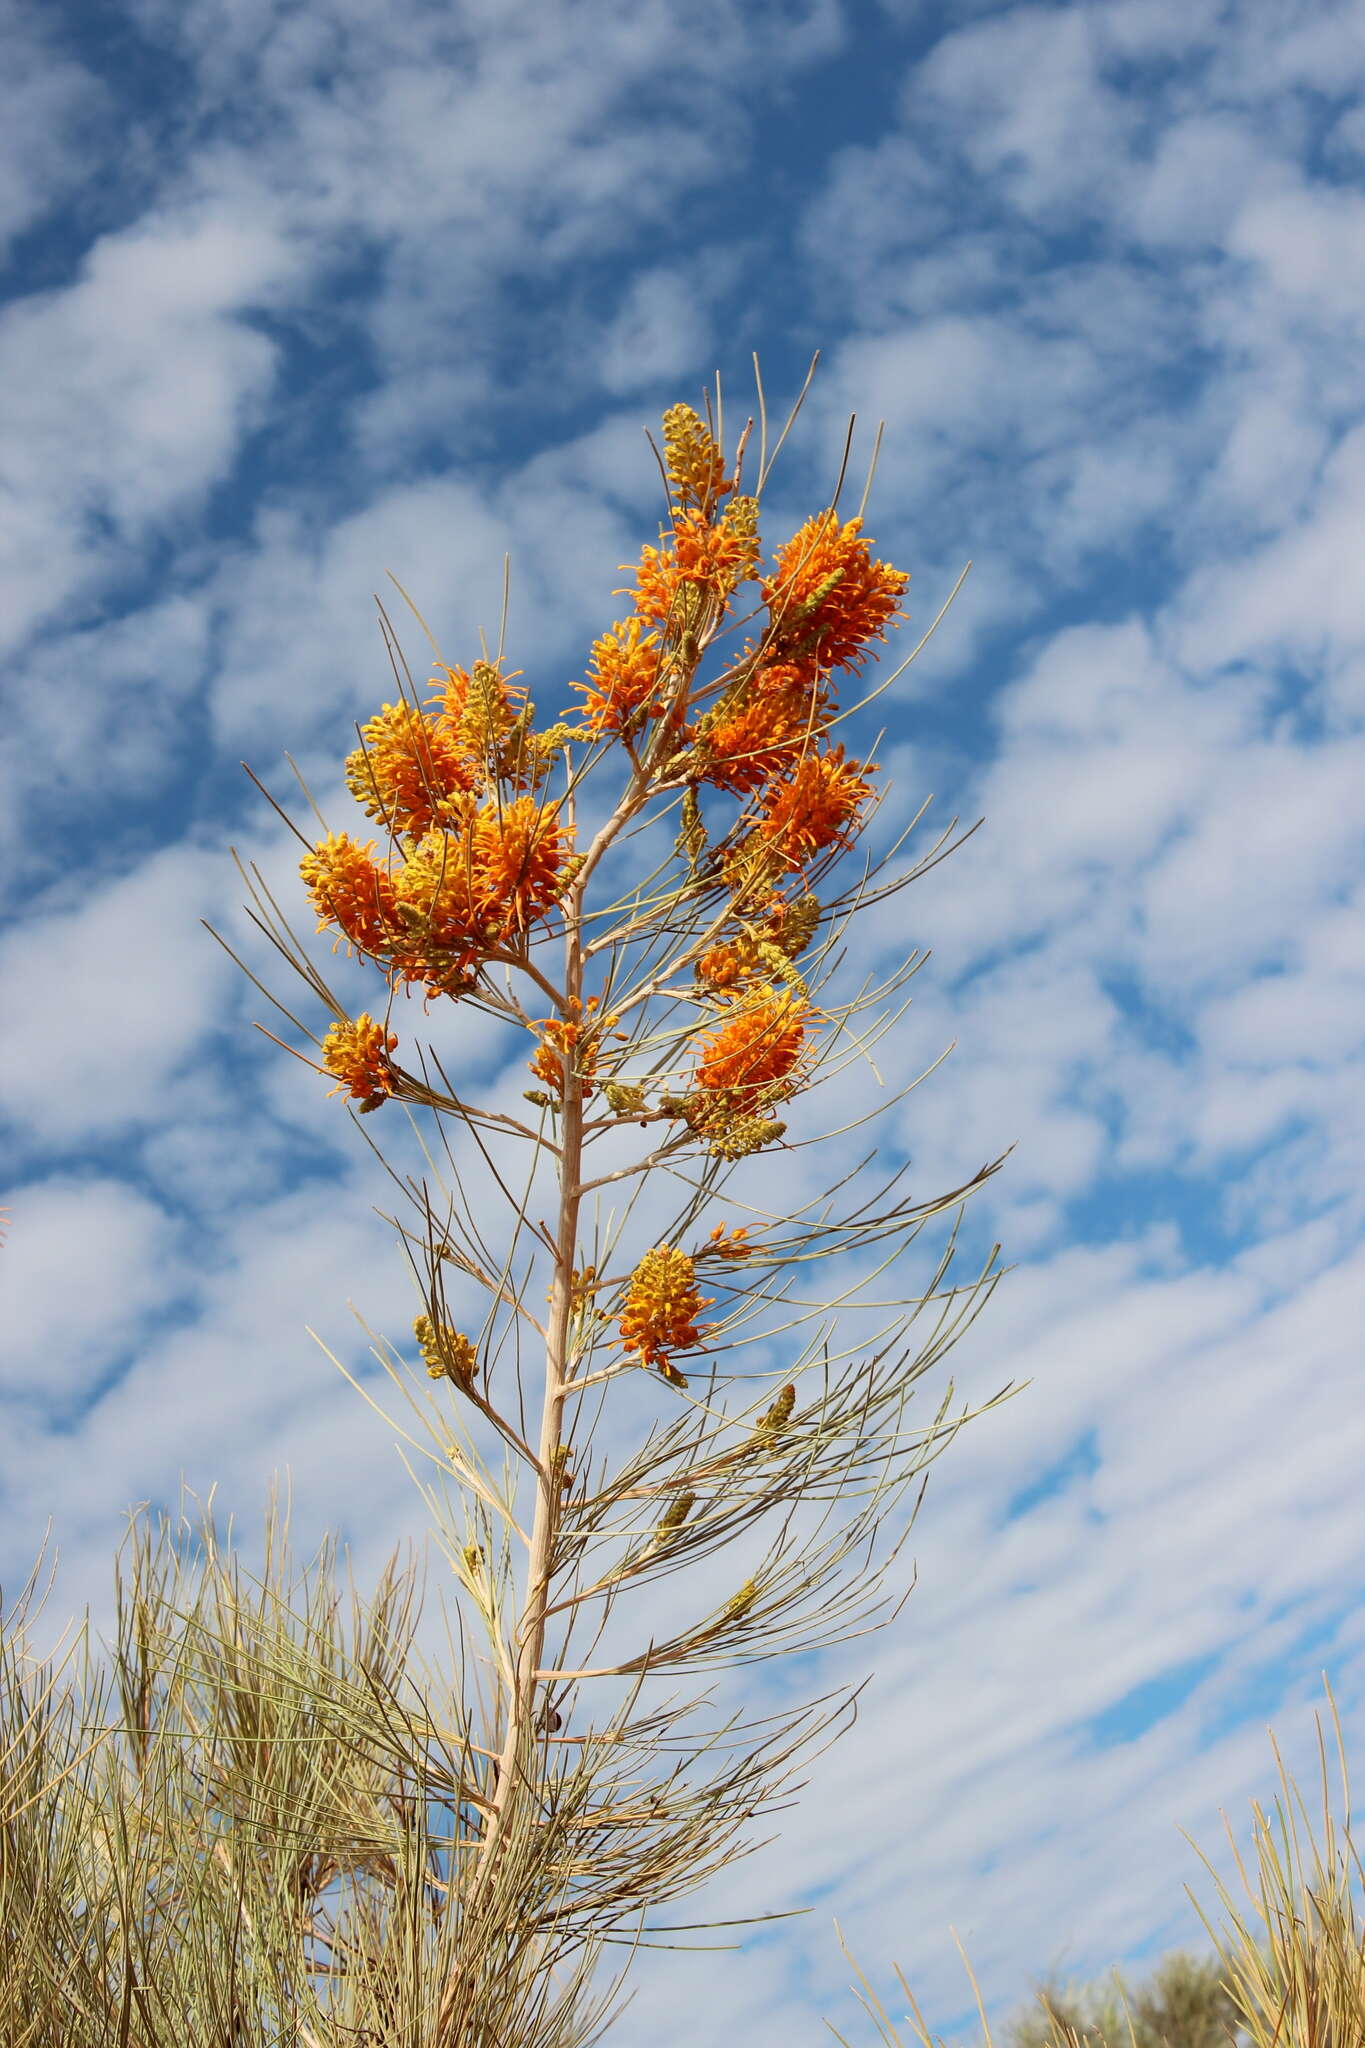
{"x":297,"y":297}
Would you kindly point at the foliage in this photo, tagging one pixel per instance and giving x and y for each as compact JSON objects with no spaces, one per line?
{"x":1183,"y":2004}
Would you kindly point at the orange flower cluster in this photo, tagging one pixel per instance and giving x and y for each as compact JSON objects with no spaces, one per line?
{"x":720,"y":967}
{"x":479,"y":889}
{"x":706,"y":558}
{"x":829,"y":596}
{"x":349,"y":890}
{"x":755,"y":1057}
{"x":417,"y":769}
{"x":474,"y":866}
{"x":827,"y":600}
{"x":408,"y":773}
{"x":456,"y":895}
{"x":632,"y":674}
{"x":792,"y":926}
{"x":766,"y":949}
{"x":483,"y":717}
{"x":717,"y":557}
{"x":570,"y":1045}
{"x":657,"y":584}
{"x":763,"y":739}
{"x":764,"y":726}
{"x":446,"y":1352}
{"x":812,"y":808}
{"x":478,"y":861}
{"x":661,"y":1309}
{"x":623,"y":679}
{"x":357,"y":1053}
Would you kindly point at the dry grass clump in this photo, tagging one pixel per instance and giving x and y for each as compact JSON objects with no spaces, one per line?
{"x":243,"y":1821}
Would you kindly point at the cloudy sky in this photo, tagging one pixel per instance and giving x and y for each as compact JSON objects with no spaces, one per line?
{"x":295,"y":296}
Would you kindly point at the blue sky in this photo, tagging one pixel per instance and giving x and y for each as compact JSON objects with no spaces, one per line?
{"x":297,"y":296}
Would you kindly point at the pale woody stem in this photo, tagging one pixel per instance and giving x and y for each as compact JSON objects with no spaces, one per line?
{"x":514,"y":1761}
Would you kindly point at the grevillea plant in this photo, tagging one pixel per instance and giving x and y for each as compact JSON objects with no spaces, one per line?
{"x":656,"y":1403}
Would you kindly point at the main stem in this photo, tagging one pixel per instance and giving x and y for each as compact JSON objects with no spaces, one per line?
{"x":513,"y":1770}
{"x":514,"y":1774}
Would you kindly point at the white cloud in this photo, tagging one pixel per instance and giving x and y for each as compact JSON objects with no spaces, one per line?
{"x":1198,"y":182}
{"x":88,"y":1262}
{"x":120,"y":990}
{"x":51,"y":102}
{"x":1296,"y":597}
{"x":1306,"y":239}
{"x":123,"y":399}
{"x":1346,"y":138}
{"x":462,"y":161}
{"x":301,"y":637}
{"x":1025,"y":1030}
{"x":135,"y":738}
{"x":301,"y":640}
{"x":1312,"y":1012}
{"x":1094,"y":280}
{"x":233,"y":1393}
{"x":661,"y":330}
{"x":1270,"y":459}
{"x":943,"y":382}
{"x":1271,"y":836}
{"x":1030,"y":109}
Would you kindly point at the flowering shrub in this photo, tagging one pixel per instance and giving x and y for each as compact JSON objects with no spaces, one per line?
{"x":634,"y":875}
